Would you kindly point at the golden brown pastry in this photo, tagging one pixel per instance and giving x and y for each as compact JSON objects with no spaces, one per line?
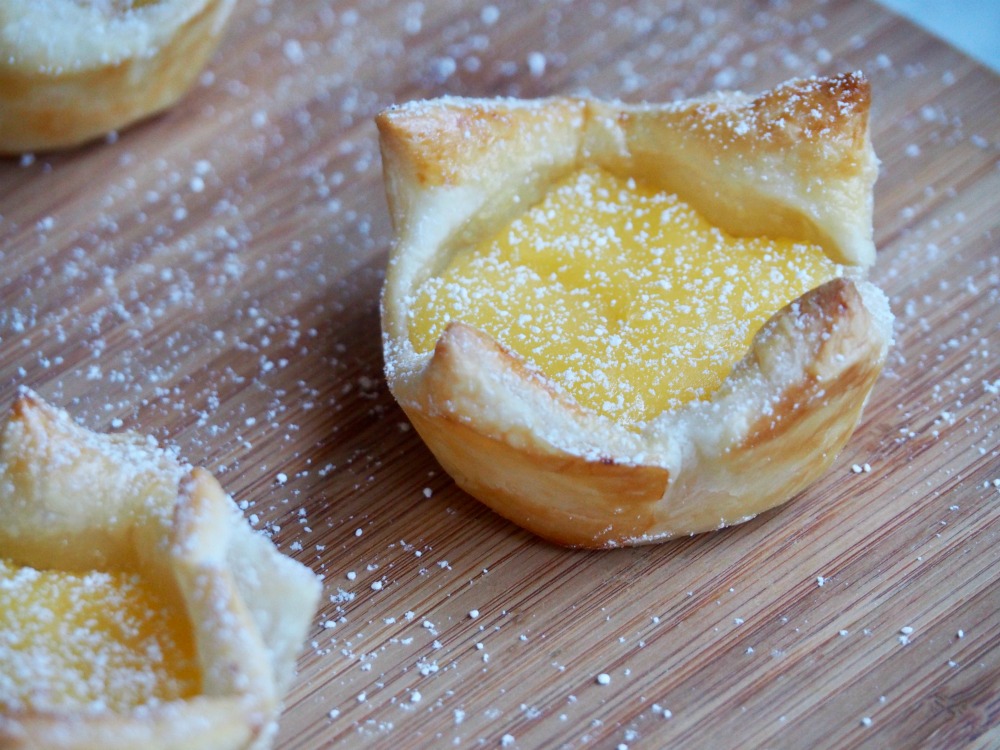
{"x":73,"y":70}
{"x":793,"y":163}
{"x":138,"y":609}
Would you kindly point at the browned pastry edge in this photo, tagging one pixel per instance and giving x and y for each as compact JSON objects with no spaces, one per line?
{"x":811,"y":369}
{"x":794,"y":161}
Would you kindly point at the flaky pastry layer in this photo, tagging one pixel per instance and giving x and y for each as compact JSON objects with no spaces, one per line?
{"x":71,"y":72}
{"x":75,"y":500}
{"x":793,"y":162}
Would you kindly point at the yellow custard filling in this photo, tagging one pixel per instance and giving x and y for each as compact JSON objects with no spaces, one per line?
{"x":621,"y":294}
{"x":91,"y":641}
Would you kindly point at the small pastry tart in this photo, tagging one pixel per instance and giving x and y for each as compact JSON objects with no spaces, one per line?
{"x":615,"y":324}
{"x":74,"y":70}
{"x":137,"y":607}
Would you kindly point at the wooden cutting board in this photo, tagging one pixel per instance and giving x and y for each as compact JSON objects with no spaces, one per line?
{"x":212,"y":277}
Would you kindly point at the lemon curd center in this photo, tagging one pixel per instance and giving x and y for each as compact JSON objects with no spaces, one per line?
{"x":90,"y":641}
{"x":621,"y":294}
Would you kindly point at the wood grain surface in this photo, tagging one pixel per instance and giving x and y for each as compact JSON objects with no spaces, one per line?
{"x":212,"y":277}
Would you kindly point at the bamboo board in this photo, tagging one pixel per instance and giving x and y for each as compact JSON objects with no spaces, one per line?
{"x":211,"y":277}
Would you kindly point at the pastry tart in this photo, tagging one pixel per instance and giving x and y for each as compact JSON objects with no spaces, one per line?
{"x":73,"y":70}
{"x":137,"y":607}
{"x":615,"y":324}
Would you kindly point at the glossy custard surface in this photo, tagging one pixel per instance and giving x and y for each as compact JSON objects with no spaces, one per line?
{"x":91,"y":641}
{"x":623,"y":295}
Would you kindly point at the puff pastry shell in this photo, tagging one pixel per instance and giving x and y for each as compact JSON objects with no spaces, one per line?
{"x":72,"y":71}
{"x":74,"y":500}
{"x":792,"y":162}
